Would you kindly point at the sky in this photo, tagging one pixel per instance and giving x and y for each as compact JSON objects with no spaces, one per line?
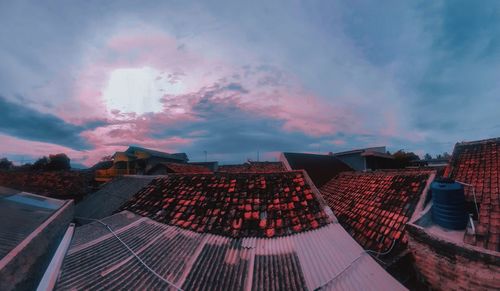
{"x":245,"y":80}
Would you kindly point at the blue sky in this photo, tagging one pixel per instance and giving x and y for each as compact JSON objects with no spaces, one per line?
{"x":233,"y":79}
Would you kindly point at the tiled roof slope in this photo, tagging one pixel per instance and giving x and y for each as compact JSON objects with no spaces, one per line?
{"x":374,"y":206}
{"x":183,"y":168}
{"x":253,"y":167}
{"x":326,"y":258}
{"x":321,"y":168}
{"x":478,"y":163}
{"x":236,"y":205}
{"x":110,"y":197}
{"x":57,"y":184}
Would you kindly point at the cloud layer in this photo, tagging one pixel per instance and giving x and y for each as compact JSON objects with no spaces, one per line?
{"x":236,"y":79}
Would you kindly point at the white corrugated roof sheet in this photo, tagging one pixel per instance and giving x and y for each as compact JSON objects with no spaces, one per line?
{"x":325,"y":258}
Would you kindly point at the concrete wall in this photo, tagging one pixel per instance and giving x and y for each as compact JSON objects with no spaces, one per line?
{"x":447,"y":266}
{"x":28,"y":261}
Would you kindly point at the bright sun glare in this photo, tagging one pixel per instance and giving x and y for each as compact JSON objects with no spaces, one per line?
{"x":137,"y":90}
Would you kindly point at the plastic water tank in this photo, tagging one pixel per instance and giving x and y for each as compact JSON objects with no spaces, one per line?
{"x":448,"y":204}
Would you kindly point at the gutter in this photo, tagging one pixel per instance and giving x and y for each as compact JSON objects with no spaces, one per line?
{"x":51,"y":274}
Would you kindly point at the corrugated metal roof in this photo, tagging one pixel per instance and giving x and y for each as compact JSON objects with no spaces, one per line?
{"x":27,"y":211}
{"x":326,"y":257}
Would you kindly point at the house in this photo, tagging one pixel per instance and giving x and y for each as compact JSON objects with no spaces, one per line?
{"x":374,"y":208}
{"x":253,"y":167}
{"x":464,"y":259}
{"x":221,"y":231}
{"x":367,"y":159}
{"x":321,"y":168}
{"x":30,"y":230}
{"x":167,"y":168}
{"x":213,"y":166}
{"x":137,"y":160}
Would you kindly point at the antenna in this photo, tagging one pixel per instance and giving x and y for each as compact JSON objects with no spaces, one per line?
{"x":258,"y":156}
{"x":206,"y":153}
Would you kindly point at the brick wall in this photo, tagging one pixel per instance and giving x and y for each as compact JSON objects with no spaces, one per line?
{"x":56,"y":184}
{"x":446,"y":266}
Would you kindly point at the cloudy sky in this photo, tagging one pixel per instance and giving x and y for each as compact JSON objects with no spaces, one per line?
{"x":90,"y":77}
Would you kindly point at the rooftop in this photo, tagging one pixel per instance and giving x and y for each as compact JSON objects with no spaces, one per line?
{"x":180,"y":168}
{"x":253,"y":167}
{"x":375,"y":206}
{"x":321,"y":168}
{"x":233,"y":204}
{"x":55,"y":184}
{"x":30,"y":229}
{"x":202,"y":261}
{"x":478,"y":163}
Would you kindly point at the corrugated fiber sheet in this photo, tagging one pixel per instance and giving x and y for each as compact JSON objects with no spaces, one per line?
{"x":325,"y":258}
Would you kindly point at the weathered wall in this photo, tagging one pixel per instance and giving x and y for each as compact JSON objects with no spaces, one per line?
{"x":28,"y":263}
{"x":446,"y":266}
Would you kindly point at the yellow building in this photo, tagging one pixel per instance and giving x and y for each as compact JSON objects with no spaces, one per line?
{"x":137,"y":161}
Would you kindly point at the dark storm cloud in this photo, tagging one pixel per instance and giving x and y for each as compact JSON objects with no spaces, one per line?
{"x":26,"y":123}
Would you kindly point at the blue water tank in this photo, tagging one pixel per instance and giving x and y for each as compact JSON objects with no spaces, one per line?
{"x":448,"y":204}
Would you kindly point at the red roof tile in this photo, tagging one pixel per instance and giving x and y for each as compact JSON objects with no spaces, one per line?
{"x":374,"y":206}
{"x":237,"y":205}
{"x":57,"y":184}
{"x":253,"y":167}
{"x":478,"y":163}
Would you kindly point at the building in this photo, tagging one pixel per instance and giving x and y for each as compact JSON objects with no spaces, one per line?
{"x":137,"y":160}
{"x":168,"y":168}
{"x":30,"y":230}
{"x":465,"y":259}
{"x":367,"y":159}
{"x":221,"y":231}
{"x":321,"y":168}
{"x":213,"y":166}
{"x":374,"y":208}
{"x":253,"y":167}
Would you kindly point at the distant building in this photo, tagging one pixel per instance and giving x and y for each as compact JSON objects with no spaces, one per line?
{"x":137,"y":160}
{"x":213,"y":166}
{"x":367,"y":159}
{"x":168,"y":168}
{"x":464,"y":259}
{"x":321,"y":168}
{"x":253,"y":167}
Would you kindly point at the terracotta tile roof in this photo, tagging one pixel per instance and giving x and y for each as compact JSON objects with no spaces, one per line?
{"x":57,"y":184}
{"x":321,"y":168}
{"x":374,"y":206}
{"x":326,"y":258}
{"x":182,"y":168}
{"x":236,"y":205}
{"x":478,"y":163}
{"x":253,"y":167}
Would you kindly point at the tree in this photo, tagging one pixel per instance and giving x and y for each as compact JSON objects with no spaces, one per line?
{"x":41,"y":163}
{"x":427,"y":157}
{"x":5,"y":164}
{"x":55,"y":162}
{"x":403,"y":159}
{"x":58,"y":162}
{"x":446,"y":155}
